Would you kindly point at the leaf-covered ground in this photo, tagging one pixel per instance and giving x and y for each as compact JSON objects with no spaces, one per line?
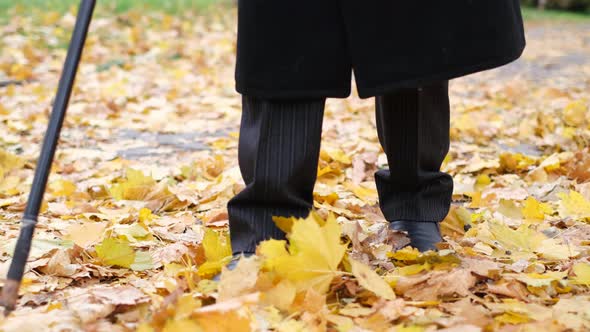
{"x":134,"y":225}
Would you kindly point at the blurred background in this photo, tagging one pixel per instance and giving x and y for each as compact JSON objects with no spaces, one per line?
{"x":579,"y":5}
{"x":174,"y":6}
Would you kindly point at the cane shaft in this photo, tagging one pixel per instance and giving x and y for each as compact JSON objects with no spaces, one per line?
{"x":60,"y":105}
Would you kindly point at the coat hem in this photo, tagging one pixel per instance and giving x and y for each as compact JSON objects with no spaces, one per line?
{"x":291,"y":94}
{"x":365,"y":93}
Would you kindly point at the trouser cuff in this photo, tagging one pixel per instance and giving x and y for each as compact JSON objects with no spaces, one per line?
{"x":431,"y":203}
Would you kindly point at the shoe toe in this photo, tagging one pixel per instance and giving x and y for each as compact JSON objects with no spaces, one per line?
{"x":423,"y":234}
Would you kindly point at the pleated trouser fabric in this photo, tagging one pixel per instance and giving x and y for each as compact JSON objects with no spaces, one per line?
{"x":278,"y":154}
{"x":279,"y":149}
{"x":413,"y":128}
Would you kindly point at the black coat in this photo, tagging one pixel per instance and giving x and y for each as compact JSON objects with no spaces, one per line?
{"x":308,"y":48}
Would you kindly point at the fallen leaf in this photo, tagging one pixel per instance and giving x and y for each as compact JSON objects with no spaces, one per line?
{"x":574,"y":205}
{"x":217,"y":252}
{"x":115,"y":252}
{"x":436,"y":284}
{"x":85,"y":233}
{"x":371,"y":280}
{"x":143,"y":261}
{"x":582,"y":272}
{"x":239,"y":281}
{"x":314,"y":255}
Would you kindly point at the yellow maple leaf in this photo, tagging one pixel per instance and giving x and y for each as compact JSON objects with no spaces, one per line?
{"x":272,"y":250}
{"x":185,"y":306}
{"x":512,"y":318}
{"x":574,"y":205}
{"x":62,"y":188}
{"x":215,"y":247}
{"x":143,"y":261}
{"x":328,"y":199}
{"x":115,"y":252}
{"x":515,"y":162}
{"x":86,"y":233}
{"x":232,"y":321}
{"x":217,"y":251}
{"x":534,"y":210}
{"x":221,"y":143}
{"x":409,"y":328}
{"x":574,"y":113}
{"x":454,"y":223}
{"x":413,"y":269}
{"x":3,"y":110}
{"x":145,"y":215}
{"x":370,"y":280}
{"x":20,"y":72}
{"x":182,"y":325}
{"x":336,"y":155}
{"x":509,"y":209}
{"x":476,"y":200}
{"x":523,"y":239}
{"x":281,"y":295}
{"x":239,"y":281}
{"x":540,"y":280}
{"x":233,"y":315}
{"x":145,"y":327}
{"x":405,"y":254}
{"x":552,"y":249}
{"x":367,"y":195}
{"x":582,"y":271}
{"x":517,"y":312}
{"x":133,"y":232}
{"x":135,"y":187}
{"x":314,"y":254}
{"x":482,"y":181}
{"x":9,"y":162}
{"x":9,"y":185}
{"x":327,"y":170}
{"x":286,"y":223}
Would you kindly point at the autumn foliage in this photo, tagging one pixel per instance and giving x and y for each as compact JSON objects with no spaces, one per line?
{"x":134,"y":223}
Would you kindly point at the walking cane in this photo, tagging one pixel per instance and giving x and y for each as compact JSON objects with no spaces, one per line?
{"x":64,"y":90}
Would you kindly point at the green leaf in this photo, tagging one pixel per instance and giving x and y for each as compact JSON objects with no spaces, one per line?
{"x":39,"y":247}
{"x":133,"y":232}
{"x":143,"y":261}
{"x":116,"y":253}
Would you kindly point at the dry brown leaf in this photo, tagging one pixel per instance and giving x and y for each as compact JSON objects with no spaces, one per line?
{"x":241,"y":280}
{"x":512,"y":289}
{"x":437,"y":285}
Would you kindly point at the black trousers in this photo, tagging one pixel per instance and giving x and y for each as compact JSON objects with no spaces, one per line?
{"x":278,"y":155}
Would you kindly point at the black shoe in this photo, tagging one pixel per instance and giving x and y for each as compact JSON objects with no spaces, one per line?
{"x":423,"y":234}
{"x":232,"y":264}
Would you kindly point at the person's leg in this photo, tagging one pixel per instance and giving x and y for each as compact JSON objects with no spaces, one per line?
{"x":413,"y":128}
{"x":278,"y":155}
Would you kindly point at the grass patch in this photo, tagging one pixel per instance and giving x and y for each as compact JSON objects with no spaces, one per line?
{"x":106,"y":6}
{"x":533,"y":14}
